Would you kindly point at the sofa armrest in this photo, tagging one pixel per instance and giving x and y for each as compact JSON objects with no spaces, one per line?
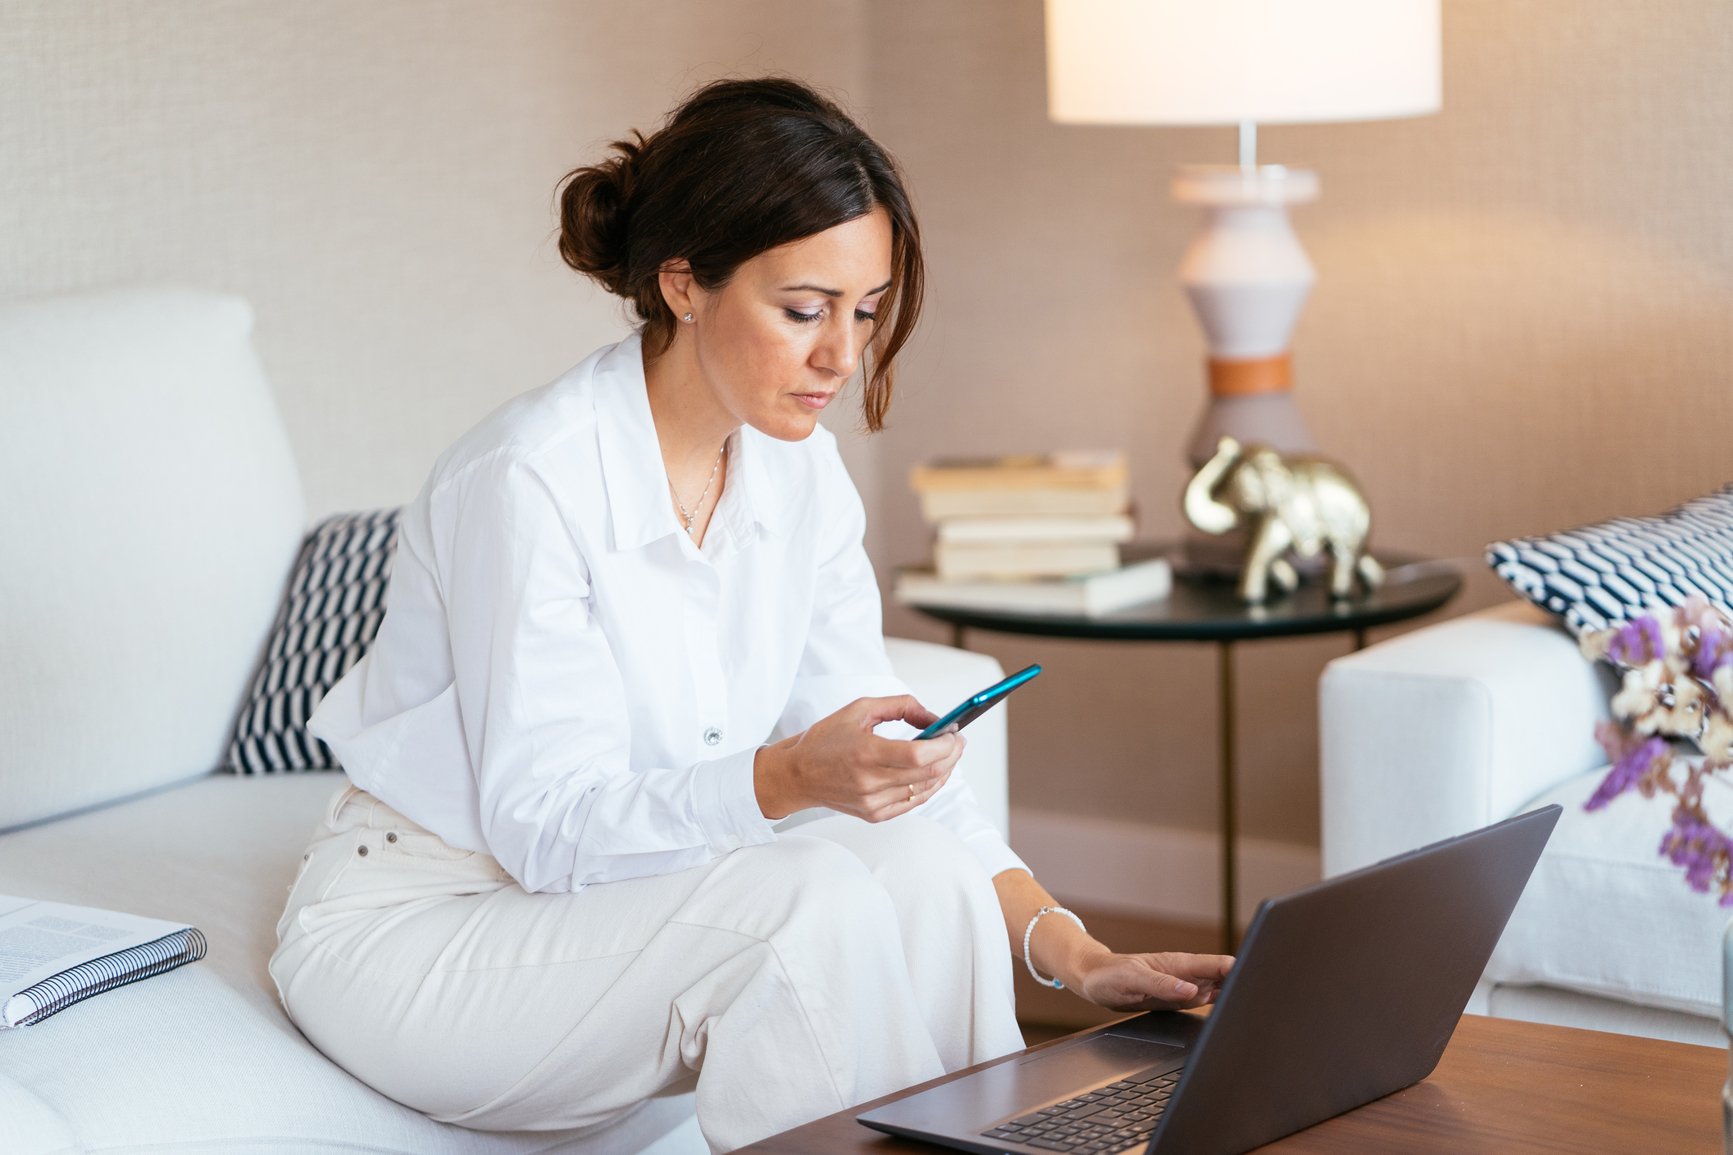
{"x":942,"y":676}
{"x":1451,"y":727}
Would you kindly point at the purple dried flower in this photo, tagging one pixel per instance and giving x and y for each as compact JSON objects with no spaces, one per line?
{"x":1629,"y":767}
{"x":1714,"y":650}
{"x":1702,"y":850}
{"x":1637,"y":643}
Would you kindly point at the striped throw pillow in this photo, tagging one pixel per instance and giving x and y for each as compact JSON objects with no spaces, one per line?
{"x":330,"y":616}
{"x":1600,"y":575}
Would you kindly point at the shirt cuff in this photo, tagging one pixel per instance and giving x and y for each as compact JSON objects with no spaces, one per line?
{"x":994,"y":854}
{"x":729,"y":812}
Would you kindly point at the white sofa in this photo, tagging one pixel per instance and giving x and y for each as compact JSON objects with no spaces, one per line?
{"x":149,"y":514}
{"x":1473,"y":720}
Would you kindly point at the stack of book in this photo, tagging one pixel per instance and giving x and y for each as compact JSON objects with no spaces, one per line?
{"x":1030,"y":533}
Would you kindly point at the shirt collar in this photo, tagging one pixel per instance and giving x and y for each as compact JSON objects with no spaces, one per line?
{"x":763,"y":497}
{"x":632,"y":469}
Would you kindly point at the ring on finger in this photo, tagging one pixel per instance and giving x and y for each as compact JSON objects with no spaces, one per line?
{"x":912,"y":791}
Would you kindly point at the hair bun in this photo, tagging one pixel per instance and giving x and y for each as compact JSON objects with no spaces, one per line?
{"x":595,"y":203}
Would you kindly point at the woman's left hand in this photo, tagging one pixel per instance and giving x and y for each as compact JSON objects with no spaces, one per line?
{"x":1152,"y":982}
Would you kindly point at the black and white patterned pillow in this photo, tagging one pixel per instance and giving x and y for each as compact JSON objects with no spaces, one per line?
{"x":1600,"y":575}
{"x":330,"y":616}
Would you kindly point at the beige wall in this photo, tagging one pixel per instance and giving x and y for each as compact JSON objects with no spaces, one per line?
{"x":377,"y":178}
{"x":1520,"y":323}
{"x":1520,"y":320}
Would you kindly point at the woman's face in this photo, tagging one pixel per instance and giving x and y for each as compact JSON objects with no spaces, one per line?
{"x":783,"y":336}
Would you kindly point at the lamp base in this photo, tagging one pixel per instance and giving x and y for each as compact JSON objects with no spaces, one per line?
{"x":1270,"y":419}
{"x":1247,"y":277}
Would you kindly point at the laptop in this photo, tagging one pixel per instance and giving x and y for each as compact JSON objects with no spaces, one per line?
{"x":1343,"y":992}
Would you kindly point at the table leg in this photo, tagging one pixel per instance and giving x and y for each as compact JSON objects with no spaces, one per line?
{"x":1359,"y":640}
{"x":957,"y":636}
{"x":1229,"y":823}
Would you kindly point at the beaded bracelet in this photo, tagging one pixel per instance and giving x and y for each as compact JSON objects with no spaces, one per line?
{"x":1030,"y":930}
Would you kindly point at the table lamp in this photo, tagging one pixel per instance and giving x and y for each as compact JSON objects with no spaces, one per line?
{"x":1243,"y":62}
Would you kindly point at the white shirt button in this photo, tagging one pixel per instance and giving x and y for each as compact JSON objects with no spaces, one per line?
{"x":712,"y":736}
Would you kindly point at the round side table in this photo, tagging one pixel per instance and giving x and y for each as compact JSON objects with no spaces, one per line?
{"x":1206,"y":608}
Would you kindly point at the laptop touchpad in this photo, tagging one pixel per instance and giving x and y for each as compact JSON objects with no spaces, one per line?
{"x":1061,"y":1072}
{"x":975,"y":1102}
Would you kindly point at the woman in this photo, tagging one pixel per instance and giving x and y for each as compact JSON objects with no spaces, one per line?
{"x":555,"y":888}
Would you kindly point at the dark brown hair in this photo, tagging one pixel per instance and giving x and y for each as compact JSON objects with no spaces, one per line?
{"x":741,"y":167}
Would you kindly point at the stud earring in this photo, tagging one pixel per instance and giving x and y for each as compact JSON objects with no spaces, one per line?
{"x":686,"y":317}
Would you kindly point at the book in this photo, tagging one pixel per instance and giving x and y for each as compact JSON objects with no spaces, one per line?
{"x":941,"y":505}
{"x":53,"y":955}
{"x":970,"y":559}
{"x":1074,"y":469}
{"x":1090,"y":594}
{"x":1076,"y":483}
{"x":1114,"y":527}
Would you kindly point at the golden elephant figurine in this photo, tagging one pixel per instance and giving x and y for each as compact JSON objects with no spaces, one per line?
{"x":1304,"y":504}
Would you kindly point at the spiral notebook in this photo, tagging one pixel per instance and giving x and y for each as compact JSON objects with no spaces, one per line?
{"x":53,"y":955}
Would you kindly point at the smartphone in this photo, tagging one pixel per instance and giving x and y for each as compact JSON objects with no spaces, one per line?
{"x":974,"y":707}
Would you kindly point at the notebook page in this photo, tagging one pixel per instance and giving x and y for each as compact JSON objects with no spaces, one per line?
{"x":40,"y":939}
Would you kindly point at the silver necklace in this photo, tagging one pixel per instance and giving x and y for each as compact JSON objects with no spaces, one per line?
{"x":699,"y":504}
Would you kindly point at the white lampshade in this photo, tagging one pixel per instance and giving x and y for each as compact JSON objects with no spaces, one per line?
{"x":1228,"y":61}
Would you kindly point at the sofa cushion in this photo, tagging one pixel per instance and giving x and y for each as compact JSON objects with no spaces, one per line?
{"x":1599,"y":575}
{"x":151,"y":511}
{"x":32,"y":1125}
{"x":1589,"y":1013}
{"x":1605,"y":914}
{"x":329,"y":616}
{"x":203,"y":1057}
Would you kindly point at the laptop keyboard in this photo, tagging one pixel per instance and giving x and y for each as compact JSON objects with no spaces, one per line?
{"x":1109,"y":1118}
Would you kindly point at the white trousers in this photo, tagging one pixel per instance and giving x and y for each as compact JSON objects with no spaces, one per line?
{"x":843,"y":961}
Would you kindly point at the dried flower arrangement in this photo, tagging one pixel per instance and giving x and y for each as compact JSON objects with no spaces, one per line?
{"x":1677,"y":686}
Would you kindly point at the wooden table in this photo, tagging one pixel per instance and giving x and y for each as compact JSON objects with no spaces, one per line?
{"x":1502,"y":1086}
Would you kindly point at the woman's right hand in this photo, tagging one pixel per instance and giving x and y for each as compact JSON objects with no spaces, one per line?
{"x":840,"y":763}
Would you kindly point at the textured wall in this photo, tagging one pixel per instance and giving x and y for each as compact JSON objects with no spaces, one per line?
{"x":1520,"y":323}
{"x":377,"y":178}
{"x":1520,"y":320}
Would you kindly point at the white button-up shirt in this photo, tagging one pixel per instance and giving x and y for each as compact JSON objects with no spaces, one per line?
{"x":563,"y":680}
